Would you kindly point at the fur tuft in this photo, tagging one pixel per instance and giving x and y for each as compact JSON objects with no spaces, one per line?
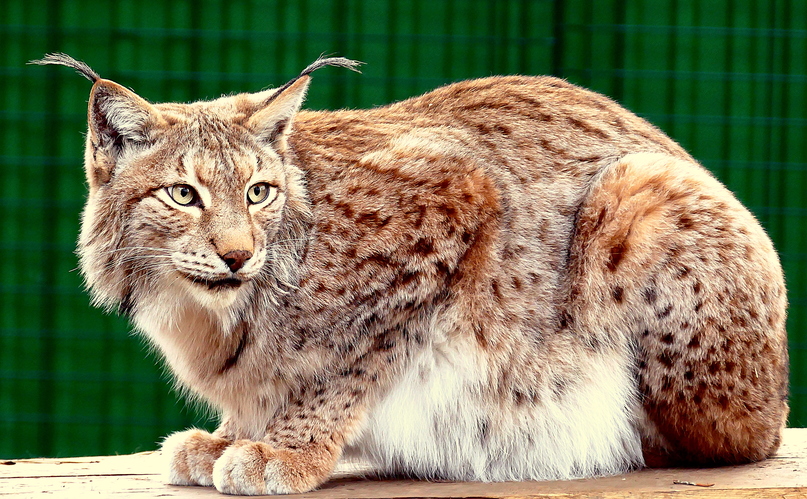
{"x":339,"y":62}
{"x":321,"y":62}
{"x":61,"y":59}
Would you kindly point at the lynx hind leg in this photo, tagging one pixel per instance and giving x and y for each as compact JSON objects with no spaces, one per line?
{"x":666,"y":254}
{"x":190,"y":456}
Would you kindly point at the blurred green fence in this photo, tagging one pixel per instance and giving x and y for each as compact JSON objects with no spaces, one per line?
{"x":727,"y":79}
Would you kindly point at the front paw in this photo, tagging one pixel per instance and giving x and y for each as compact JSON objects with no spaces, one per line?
{"x":256,"y":468}
{"x":190,"y":456}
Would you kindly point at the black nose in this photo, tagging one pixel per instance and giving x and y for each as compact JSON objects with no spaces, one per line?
{"x":236,"y":259}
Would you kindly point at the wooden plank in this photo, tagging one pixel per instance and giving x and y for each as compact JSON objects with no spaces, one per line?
{"x":138,"y":475}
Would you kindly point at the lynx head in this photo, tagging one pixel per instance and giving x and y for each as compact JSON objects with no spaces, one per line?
{"x":195,"y":201}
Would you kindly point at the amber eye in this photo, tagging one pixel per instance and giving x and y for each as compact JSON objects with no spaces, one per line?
{"x":182,"y":194}
{"x":260,"y":192}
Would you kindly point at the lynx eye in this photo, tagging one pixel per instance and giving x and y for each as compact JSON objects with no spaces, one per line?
{"x":182,"y":194}
{"x":260,"y":192}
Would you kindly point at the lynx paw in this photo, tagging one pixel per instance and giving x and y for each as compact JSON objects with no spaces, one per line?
{"x":256,"y":468}
{"x":190,"y":456}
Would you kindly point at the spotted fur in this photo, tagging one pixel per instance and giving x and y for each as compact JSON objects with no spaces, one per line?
{"x":508,"y":278}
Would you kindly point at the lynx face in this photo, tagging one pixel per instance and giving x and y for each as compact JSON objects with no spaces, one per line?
{"x":190,"y":201}
{"x":208,"y":218}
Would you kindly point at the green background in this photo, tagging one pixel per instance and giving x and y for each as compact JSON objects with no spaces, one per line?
{"x":727,"y":79}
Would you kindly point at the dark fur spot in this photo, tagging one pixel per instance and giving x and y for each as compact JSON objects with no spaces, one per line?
{"x":664,"y":313}
{"x":587,"y":128}
{"x":449,"y":211}
{"x":559,"y":388}
{"x":346,"y":209}
{"x":667,"y":339}
{"x":618,"y":293}
{"x":667,"y":358}
{"x":424,"y":247}
{"x":564,"y":319}
{"x":372,"y":220}
{"x":617,"y":253}
{"x":650,"y":295}
{"x":299,"y":342}
{"x":738,"y":320}
{"x":695,"y":341}
{"x":239,"y":349}
{"x":408,"y":277}
{"x":685,"y":223}
{"x":593,"y":342}
{"x":127,"y":304}
{"x":497,"y":292}
{"x":383,"y":344}
{"x":600,"y":219}
{"x":483,"y":430}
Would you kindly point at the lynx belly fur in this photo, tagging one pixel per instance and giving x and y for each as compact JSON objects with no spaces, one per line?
{"x":510,"y":278}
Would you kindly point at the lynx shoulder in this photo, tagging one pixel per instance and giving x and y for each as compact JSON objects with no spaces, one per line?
{"x":510,"y":278}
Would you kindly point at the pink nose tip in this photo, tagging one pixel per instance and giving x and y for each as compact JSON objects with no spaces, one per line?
{"x":236,"y":259}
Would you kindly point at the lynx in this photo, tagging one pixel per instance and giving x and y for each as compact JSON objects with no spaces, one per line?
{"x":509,"y":278}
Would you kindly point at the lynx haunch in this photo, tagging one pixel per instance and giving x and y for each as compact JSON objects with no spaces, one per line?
{"x":510,"y":278}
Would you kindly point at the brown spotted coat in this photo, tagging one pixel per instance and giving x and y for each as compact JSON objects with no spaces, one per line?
{"x":547,"y":259}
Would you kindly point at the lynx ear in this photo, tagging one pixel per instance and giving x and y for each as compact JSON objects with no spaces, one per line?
{"x":272,"y":121}
{"x":118,"y":118}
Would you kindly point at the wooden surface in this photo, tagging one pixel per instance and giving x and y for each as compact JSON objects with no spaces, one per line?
{"x":784,"y":476}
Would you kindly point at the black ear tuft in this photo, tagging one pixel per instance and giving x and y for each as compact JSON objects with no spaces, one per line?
{"x":339,"y":62}
{"x":61,"y":59}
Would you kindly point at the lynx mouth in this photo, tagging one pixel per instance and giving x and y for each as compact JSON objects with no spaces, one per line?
{"x":227,"y":283}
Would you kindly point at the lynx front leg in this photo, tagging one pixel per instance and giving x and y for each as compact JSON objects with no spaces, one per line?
{"x":301,"y":448}
{"x":257,"y":468}
{"x":190,"y":456}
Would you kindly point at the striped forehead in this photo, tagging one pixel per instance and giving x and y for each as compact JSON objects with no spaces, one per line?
{"x":219,"y":169}
{"x":217,"y":151}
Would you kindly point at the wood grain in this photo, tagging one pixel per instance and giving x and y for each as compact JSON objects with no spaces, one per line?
{"x":784,"y":476}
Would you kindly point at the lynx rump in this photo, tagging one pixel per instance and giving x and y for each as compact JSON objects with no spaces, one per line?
{"x":510,"y":278}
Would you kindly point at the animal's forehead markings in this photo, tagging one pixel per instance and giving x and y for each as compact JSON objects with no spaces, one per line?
{"x":223,"y":166}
